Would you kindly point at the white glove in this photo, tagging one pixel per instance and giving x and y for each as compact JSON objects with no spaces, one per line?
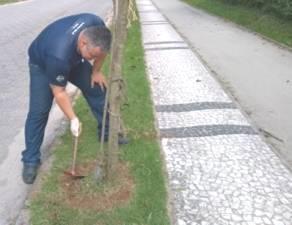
{"x":75,"y":127}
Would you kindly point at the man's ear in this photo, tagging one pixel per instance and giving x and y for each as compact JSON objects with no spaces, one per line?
{"x":83,"y":40}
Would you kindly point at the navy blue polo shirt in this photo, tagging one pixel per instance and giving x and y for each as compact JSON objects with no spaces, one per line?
{"x":55,"y":48}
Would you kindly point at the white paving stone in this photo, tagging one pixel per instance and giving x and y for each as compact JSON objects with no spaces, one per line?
{"x":222,"y":179}
{"x":151,"y":16}
{"x":160,"y":33}
{"x":180,"y":77}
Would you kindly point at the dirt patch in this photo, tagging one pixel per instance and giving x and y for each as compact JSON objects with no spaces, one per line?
{"x":87,"y":194}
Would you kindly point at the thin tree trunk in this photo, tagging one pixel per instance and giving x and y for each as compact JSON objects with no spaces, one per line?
{"x":119,"y":37}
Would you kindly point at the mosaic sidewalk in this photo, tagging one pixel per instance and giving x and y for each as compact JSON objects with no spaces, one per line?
{"x":220,"y":171}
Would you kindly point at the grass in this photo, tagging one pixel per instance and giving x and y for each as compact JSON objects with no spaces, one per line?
{"x":267,"y":25}
{"x":147,"y":205}
{"x":7,"y":1}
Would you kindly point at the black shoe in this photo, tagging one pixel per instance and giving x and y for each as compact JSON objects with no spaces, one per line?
{"x":123,"y":140}
{"x":29,"y":173}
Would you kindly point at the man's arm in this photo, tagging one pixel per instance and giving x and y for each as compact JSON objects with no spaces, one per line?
{"x":63,"y":101}
{"x":97,"y":76}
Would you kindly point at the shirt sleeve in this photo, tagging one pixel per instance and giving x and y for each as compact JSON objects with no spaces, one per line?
{"x":57,"y":71}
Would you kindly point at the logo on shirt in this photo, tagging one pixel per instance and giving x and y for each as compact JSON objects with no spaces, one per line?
{"x":60,"y":78}
{"x":77,"y":27}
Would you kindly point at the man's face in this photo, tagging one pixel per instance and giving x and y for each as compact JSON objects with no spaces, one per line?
{"x":89,"y":52}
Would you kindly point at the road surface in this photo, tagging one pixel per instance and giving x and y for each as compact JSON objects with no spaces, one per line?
{"x":19,"y":24}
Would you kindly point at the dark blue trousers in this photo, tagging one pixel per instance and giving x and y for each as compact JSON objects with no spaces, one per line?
{"x":41,"y":99}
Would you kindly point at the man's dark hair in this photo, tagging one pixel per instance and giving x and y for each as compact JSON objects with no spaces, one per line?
{"x":99,"y":37}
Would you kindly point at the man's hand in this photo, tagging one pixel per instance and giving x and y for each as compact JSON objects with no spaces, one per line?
{"x":98,"y":78}
{"x":75,"y":126}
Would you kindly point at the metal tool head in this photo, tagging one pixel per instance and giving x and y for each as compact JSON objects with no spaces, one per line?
{"x":73,"y":174}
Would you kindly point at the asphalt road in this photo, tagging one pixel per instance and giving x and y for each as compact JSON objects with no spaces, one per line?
{"x":256,"y":72}
{"x":19,"y":24}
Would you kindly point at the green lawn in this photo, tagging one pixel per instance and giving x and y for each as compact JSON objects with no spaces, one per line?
{"x":7,"y":1}
{"x":59,"y":202}
{"x":267,"y":25}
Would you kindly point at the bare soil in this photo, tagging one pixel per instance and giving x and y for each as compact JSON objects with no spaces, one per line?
{"x":85,"y":194}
